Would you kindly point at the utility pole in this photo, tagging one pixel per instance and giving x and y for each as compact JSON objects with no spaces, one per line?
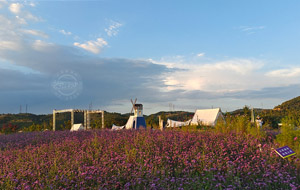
{"x":91,"y":106}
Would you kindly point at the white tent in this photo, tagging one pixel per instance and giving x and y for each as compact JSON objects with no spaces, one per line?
{"x":129,"y":124}
{"x":172,"y":123}
{"x":207,"y":117}
{"x":77,"y":127}
{"x":116,"y":128}
{"x":134,"y":122}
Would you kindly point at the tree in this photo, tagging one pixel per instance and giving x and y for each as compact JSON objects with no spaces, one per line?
{"x":246,"y":110}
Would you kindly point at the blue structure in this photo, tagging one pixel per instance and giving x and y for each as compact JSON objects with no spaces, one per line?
{"x":139,"y":122}
{"x":138,"y":118}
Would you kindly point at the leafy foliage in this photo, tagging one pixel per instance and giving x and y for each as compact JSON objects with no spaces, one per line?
{"x":293,"y":104}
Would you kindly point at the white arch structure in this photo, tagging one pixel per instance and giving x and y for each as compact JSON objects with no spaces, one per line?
{"x":87,"y":119}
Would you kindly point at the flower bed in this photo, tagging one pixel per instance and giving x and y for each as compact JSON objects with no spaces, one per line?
{"x":142,"y":159}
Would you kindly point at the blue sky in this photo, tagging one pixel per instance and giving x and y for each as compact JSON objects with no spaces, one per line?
{"x":195,"y":54}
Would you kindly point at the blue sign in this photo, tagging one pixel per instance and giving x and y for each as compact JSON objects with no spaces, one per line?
{"x":285,"y":152}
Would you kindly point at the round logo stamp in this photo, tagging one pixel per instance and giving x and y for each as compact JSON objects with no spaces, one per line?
{"x":67,"y":85}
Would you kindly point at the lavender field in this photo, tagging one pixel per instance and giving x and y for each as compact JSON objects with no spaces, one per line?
{"x":142,"y":159}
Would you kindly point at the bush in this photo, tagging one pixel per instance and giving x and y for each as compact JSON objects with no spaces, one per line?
{"x":289,"y":135}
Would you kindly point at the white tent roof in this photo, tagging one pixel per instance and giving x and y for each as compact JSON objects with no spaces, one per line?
{"x":116,"y":128}
{"x":206,"y":116}
{"x":77,"y":127}
{"x":128,"y":125}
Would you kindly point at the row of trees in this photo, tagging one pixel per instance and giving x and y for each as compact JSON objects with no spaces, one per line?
{"x":8,"y":128}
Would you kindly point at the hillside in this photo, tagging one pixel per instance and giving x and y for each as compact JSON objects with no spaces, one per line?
{"x":293,"y":104}
{"x":32,"y":122}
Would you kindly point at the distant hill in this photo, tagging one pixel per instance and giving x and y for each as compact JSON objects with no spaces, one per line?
{"x":29,"y":122}
{"x":293,"y":104}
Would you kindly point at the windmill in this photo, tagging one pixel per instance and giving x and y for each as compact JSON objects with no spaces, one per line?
{"x":135,"y":121}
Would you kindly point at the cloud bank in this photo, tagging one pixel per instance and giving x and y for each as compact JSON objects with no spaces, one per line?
{"x":29,"y":62}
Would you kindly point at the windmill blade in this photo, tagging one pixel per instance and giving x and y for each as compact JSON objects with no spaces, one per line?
{"x":133,"y":103}
{"x":132,"y":106}
{"x":131,"y":109}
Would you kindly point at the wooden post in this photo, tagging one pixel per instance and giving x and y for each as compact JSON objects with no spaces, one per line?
{"x":85,"y":119}
{"x":102,"y":119}
{"x":54,"y":113}
{"x":160,"y":123}
{"x":88,"y":120}
{"x":72,"y":118}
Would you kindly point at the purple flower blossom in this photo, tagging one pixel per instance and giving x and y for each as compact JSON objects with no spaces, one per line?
{"x":143,"y":159}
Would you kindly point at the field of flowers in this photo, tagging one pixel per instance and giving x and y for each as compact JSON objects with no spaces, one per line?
{"x":145,"y":159}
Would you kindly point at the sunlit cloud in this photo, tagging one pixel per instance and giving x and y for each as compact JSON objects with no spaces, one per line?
{"x":15,"y":8}
{"x":35,"y":33}
{"x":200,"y":54}
{"x":285,"y":73}
{"x":9,"y":45}
{"x":65,"y":32}
{"x":92,"y":46}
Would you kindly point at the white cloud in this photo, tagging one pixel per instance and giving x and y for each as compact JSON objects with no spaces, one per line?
{"x":113,"y":29}
{"x":65,"y":32}
{"x":9,"y":45}
{"x":180,"y":80}
{"x":40,"y":45}
{"x":21,"y":20}
{"x":220,"y":76}
{"x":251,"y":29}
{"x":31,"y":17}
{"x":35,"y":33}
{"x":15,"y":8}
{"x":92,"y":46}
{"x":200,"y":54}
{"x":23,"y":15}
{"x":285,"y":73}
{"x":32,"y":4}
{"x":247,"y":28}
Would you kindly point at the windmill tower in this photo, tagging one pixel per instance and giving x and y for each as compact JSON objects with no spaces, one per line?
{"x":137,"y":120}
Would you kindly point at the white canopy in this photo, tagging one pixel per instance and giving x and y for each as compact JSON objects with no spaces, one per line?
{"x":77,"y":127}
{"x":128,"y":125}
{"x":115,"y":127}
{"x":207,"y":116}
{"x":172,"y":123}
